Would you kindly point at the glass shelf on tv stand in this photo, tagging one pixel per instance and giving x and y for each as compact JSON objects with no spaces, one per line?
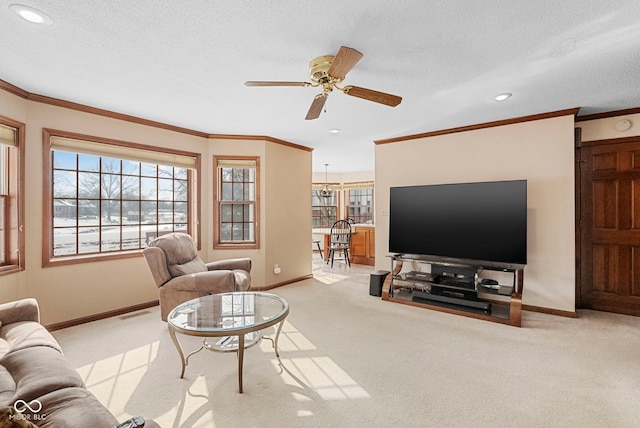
{"x":505,"y":299}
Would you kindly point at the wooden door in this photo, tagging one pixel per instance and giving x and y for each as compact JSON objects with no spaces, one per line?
{"x":609,"y":227}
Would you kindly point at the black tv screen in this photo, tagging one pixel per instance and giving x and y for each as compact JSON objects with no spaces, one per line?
{"x":475,"y":221}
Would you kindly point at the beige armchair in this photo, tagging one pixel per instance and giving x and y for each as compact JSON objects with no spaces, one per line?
{"x":181,"y":275}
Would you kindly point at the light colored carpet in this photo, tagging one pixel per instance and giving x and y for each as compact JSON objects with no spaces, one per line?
{"x":351,"y":360}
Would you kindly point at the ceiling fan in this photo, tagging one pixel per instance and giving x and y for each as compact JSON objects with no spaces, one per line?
{"x":328,"y":71}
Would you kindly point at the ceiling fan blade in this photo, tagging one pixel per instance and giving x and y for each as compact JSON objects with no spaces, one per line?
{"x":266,"y":83}
{"x":344,"y":61}
{"x":371,"y":95}
{"x":316,"y":106}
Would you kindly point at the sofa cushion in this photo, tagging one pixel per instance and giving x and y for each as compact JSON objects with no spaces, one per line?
{"x":74,"y":407}
{"x":177,"y":247}
{"x":25,"y":334}
{"x":7,"y":387}
{"x":39,"y":370}
{"x":180,"y":252}
{"x":194,"y":266}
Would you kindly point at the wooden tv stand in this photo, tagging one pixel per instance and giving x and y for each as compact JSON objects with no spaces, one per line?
{"x":460,"y":292}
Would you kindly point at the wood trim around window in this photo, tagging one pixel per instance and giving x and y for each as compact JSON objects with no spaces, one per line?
{"x":15,"y":244}
{"x":47,"y":205}
{"x":216,"y":209}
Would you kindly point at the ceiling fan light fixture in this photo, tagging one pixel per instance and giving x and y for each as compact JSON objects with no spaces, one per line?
{"x":503,"y":96}
{"x":31,"y":14}
{"x":328,"y":71}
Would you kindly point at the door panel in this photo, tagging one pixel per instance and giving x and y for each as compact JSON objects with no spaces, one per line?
{"x":610,"y":227}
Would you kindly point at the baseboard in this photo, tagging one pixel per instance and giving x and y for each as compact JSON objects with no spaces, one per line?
{"x":100,"y":316}
{"x":116,"y":312}
{"x":280,"y":284}
{"x":567,"y":314}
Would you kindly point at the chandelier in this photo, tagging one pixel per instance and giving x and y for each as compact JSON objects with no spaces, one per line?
{"x":326,"y":190}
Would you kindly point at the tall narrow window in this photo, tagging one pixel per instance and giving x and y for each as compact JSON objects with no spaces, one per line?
{"x":359,"y":197}
{"x":110,"y":198}
{"x":324,"y":208}
{"x":11,"y":196}
{"x":237,"y":202}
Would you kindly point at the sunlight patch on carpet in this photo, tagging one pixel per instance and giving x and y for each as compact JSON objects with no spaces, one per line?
{"x":323,"y":376}
{"x":291,"y":339}
{"x":327,"y":276}
{"x":330,"y":278}
{"x":124,"y":370}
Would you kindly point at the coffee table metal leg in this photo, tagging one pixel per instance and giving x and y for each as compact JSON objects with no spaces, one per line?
{"x":240,"y":360}
{"x":172,"y":333}
{"x":275,"y":343}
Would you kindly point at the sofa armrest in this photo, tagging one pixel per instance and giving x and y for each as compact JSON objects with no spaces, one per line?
{"x":219,"y":281}
{"x":20,"y":310}
{"x":157,"y":262}
{"x":231,"y":264}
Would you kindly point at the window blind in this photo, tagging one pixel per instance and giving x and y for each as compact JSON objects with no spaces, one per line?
{"x":7,"y":139}
{"x":7,"y":136}
{"x":122,"y":152}
{"x":344,"y":186}
{"x":358,"y":185}
{"x":320,"y":186}
{"x":236,"y":163}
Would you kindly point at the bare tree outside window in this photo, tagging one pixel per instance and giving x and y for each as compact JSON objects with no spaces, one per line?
{"x":103,"y":204}
{"x":324,"y":210}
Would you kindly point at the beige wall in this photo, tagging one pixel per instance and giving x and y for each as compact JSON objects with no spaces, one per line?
{"x":605,"y":129}
{"x":541,"y":152}
{"x":287,"y":214}
{"x":76,"y":291}
{"x":222,"y":147}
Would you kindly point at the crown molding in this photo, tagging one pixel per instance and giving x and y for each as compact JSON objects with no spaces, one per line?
{"x":261,"y":138}
{"x":12,"y":89}
{"x":8,"y":87}
{"x":572,"y":111}
{"x":608,"y":114}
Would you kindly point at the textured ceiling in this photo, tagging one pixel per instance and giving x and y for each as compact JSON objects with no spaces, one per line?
{"x":185,"y":63}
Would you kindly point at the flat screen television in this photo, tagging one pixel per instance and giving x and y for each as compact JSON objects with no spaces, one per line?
{"x":484,"y":221}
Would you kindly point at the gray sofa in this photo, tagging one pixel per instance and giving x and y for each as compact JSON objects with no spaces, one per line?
{"x":36,"y":378}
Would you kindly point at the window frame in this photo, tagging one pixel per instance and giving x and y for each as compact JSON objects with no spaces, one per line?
{"x":193,"y":197}
{"x":315,"y":192}
{"x":14,"y":242}
{"x":348,"y":205}
{"x":217,"y":195}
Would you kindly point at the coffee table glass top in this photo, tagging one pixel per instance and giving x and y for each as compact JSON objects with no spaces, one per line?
{"x":228,"y":313}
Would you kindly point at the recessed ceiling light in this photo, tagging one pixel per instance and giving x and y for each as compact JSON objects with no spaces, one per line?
{"x":502,"y":97}
{"x":31,"y":14}
{"x":335,"y":131}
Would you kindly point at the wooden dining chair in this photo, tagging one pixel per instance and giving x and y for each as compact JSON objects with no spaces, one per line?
{"x":340,"y":240}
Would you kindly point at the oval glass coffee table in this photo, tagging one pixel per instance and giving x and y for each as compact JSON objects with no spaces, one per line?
{"x":228,"y":322}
